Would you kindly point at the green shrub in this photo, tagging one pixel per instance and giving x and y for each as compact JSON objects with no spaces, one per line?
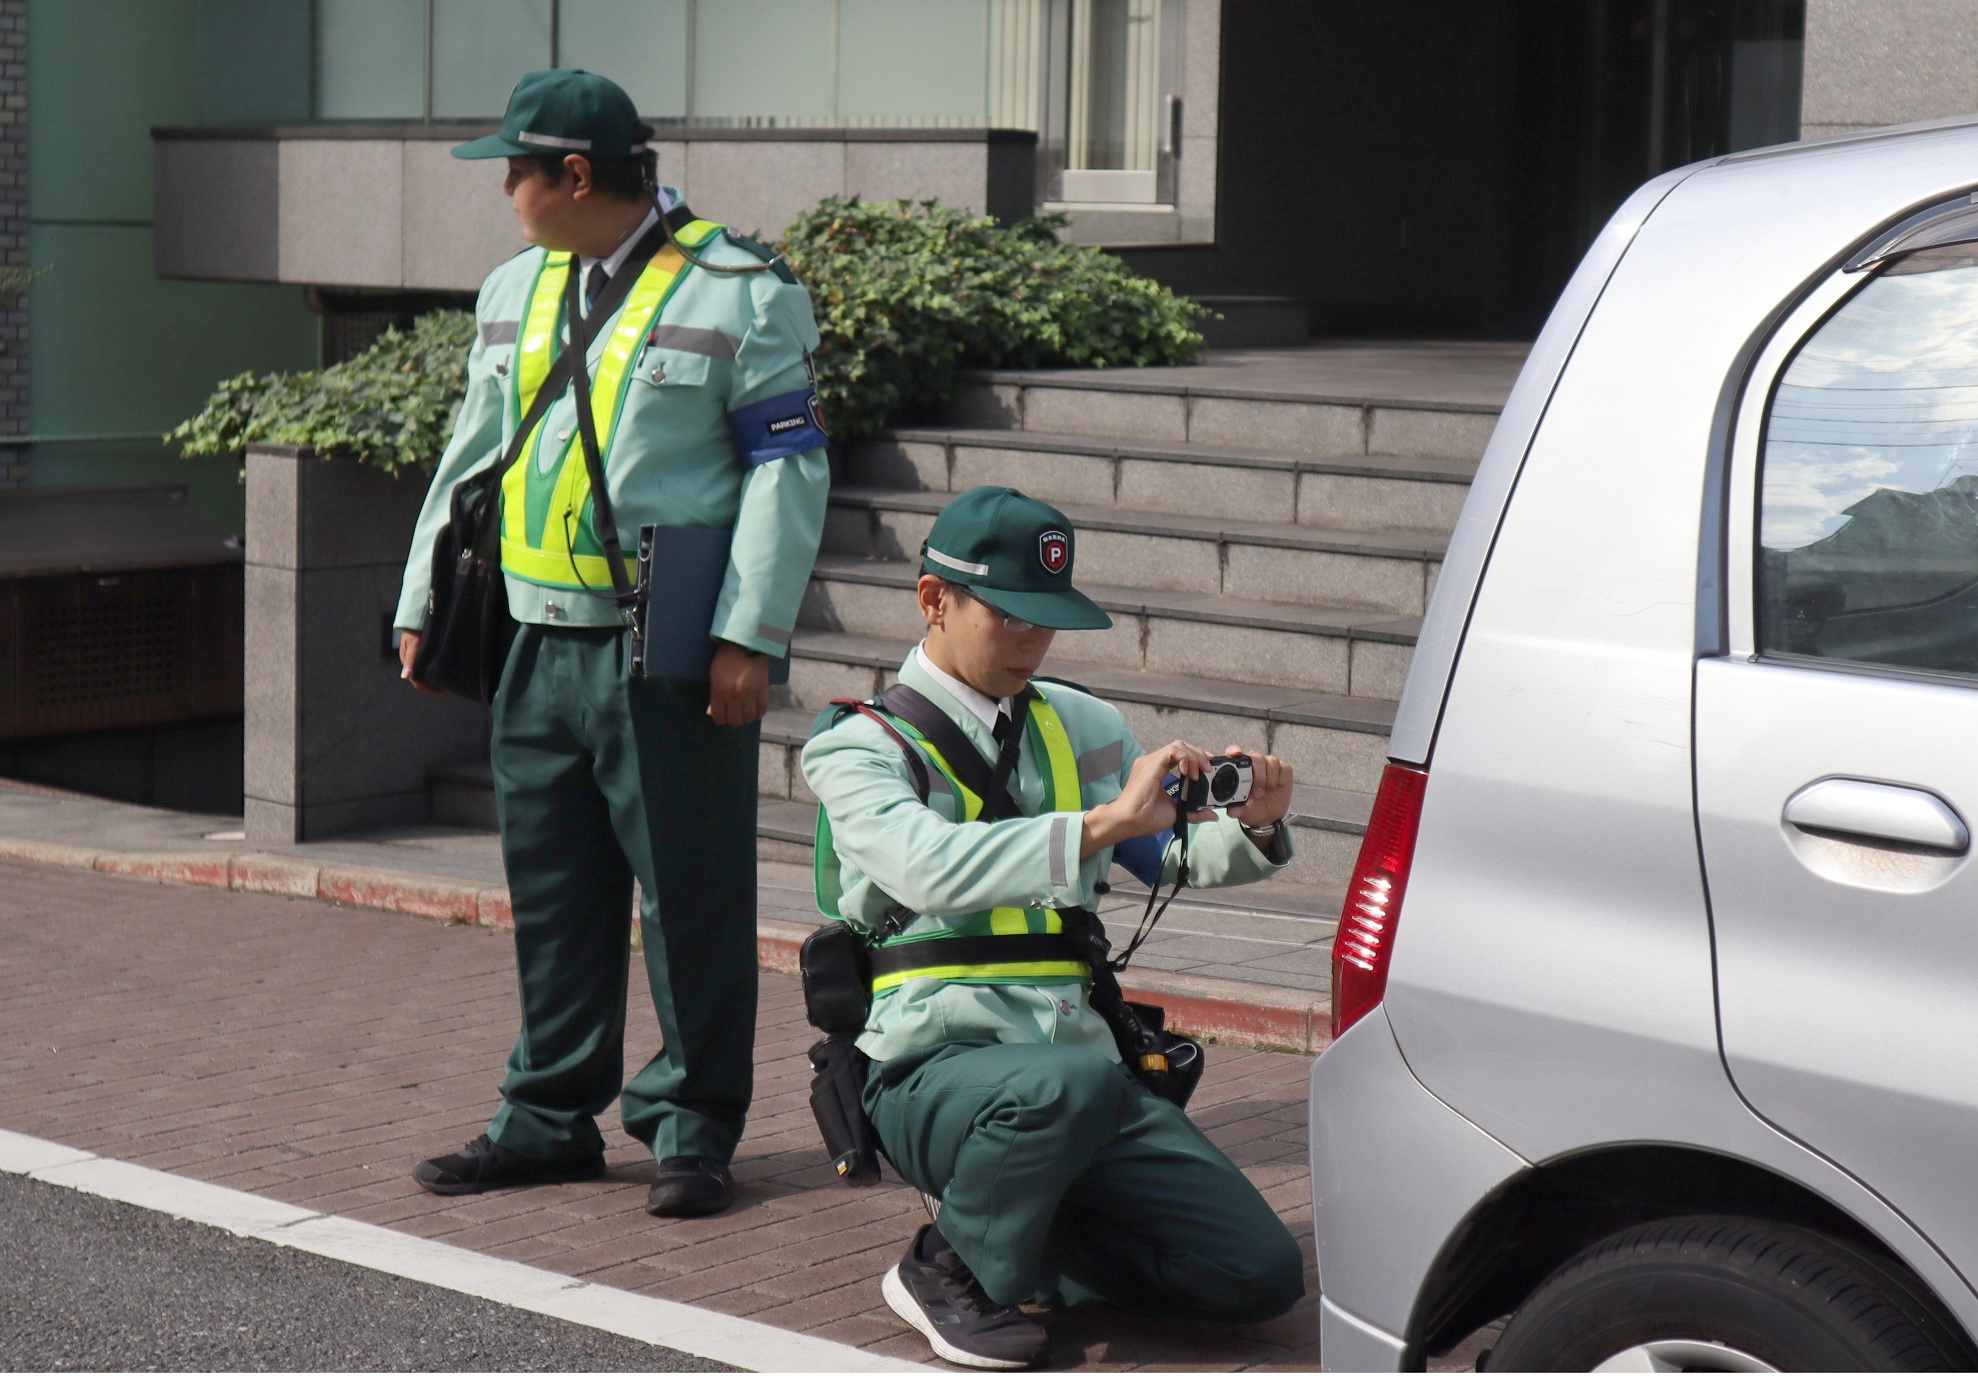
{"x":906,"y":293}
{"x":909,"y":291}
{"x":391,"y":406}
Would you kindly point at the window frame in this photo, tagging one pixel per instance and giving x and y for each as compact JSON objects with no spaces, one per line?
{"x":1744,"y":511}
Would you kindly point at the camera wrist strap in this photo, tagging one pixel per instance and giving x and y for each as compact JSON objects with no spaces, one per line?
{"x":1150,"y":916}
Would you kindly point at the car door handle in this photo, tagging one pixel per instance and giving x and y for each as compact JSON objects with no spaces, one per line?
{"x":1880,"y":812}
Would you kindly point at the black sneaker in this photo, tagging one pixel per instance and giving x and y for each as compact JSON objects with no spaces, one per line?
{"x":689,"y":1187}
{"x":933,"y":1289}
{"x":484,"y":1165}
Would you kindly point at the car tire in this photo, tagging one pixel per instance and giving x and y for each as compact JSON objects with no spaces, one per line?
{"x":1728,"y":1294}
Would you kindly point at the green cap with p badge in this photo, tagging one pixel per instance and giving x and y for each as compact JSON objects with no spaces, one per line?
{"x":563,"y":111}
{"x":1014,"y":553}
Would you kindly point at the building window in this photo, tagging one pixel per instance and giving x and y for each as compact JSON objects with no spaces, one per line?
{"x":1097,"y":80}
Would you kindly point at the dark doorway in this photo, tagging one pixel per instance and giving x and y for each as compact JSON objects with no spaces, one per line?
{"x":1438,"y":168}
{"x":1613,"y":92}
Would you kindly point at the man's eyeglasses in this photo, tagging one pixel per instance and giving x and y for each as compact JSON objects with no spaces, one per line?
{"x":1016,"y":625}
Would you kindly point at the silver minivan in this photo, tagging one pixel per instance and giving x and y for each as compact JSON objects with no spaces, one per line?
{"x":1656,"y":988}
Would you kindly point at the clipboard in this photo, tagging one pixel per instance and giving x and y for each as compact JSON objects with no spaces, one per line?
{"x":681,"y":570}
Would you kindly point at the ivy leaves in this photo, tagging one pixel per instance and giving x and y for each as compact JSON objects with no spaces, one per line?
{"x":907,"y":292}
{"x":391,"y":406}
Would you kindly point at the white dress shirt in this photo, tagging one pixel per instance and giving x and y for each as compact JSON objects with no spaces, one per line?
{"x":985,"y":708}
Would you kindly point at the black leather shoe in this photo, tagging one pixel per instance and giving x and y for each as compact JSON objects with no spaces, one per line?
{"x":484,"y":1165}
{"x":933,"y":1289}
{"x":690,"y":1186}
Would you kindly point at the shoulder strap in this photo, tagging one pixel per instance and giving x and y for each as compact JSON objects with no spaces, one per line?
{"x":989,"y":783}
{"x":922,"y":784}
{"x":616,"y":289}
{"x":582,"y":332}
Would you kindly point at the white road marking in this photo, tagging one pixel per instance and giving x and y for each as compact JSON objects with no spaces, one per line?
{"x":702,"y":1333}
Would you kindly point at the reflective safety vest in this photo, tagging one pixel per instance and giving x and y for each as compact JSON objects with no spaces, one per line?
{"x":1061,"y":794}
{"x":546,"y":532}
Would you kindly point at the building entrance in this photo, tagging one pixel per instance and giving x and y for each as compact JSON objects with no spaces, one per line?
{"x":1439,"y":168}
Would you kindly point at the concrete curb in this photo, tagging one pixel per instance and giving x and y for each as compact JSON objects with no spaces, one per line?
{"x":1229,"y":1010}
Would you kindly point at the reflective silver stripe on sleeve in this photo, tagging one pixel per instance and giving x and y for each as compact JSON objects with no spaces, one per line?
{"x":692,"y":339}
{"x":552,"y":141}
{"x":499,"y":331}
{"x":979,"y":570}
{"x":775,"y":635}
{"x":1058,"y":825}
{"x":1102,"y":762}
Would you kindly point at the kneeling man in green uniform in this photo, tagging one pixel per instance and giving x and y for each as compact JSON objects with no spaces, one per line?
{"x":994,"y":1085}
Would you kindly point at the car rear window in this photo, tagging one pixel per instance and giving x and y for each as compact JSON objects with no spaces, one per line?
{"x":1868,"y":514}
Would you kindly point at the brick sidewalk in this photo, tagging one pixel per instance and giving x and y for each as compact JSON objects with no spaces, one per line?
{"x":312,"y":1054}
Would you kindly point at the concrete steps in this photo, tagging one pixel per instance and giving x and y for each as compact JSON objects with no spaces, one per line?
{"x":1279,"y":561}
{"x":1351,"y":491}
{"x":1367,"y":414}
{"x":1341,"y":650}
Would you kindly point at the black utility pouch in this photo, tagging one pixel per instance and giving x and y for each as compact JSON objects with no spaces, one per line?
{"x":837,"y":979}
{"x":837,"y":996}
{"x":837,"y":1101}
{"x":1185,"y":1056}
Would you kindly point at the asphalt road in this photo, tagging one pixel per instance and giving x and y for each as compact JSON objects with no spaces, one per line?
{"x":90,"y":1284}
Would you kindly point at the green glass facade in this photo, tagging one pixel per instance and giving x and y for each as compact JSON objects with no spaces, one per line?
{"x":116,"y":355}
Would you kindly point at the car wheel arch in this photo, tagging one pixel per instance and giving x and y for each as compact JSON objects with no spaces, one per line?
{"x":1541,"y":1218}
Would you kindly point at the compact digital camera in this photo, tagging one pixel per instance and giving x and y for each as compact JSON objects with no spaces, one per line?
{"x":1225,"y":785}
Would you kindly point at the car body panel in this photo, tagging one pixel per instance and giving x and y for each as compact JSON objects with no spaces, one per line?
{"x":1402,"y":1166}
{"x":1848,"y":971}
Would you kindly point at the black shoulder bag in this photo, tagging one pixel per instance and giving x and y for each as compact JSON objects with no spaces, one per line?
{"x":468,"y":628}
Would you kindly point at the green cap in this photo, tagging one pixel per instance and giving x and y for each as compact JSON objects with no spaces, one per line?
{"x":563,"y":111}
{"x":1015,"y":553}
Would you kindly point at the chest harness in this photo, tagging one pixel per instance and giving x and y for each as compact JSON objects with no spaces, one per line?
{"x":1008,"y":946}
{"x":548,"y":534}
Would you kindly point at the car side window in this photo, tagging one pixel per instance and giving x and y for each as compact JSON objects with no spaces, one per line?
{"x":1868,"y":508}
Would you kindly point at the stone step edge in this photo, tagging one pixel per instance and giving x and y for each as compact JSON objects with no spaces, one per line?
{"x":1166,"y":525}
{"x":1296,"y":618}
{"x":1328,"y":710}
{"x":1413,"y":468}
{"x":1122,"y":380}
{"x":1229,"y":1010}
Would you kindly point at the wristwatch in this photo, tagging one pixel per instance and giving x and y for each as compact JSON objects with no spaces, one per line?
{"x":1265,"y":835}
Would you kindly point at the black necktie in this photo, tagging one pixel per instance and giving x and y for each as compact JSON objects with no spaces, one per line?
{"x":1001,"y":730}
{"x":594,"y":283}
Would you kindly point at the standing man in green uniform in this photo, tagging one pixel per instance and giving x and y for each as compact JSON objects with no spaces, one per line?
{"x":995,"y":1087}
{"x":705,"y":414}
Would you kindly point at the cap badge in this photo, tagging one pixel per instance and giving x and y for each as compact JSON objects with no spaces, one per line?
{"x":1054,"y":548}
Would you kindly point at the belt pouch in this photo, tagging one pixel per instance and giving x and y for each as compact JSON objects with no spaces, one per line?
{"x":837,"y":1101}
{"x":837,"y":979}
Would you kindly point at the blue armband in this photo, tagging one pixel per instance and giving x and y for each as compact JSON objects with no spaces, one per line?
{"x":1141,"y":857}
{"x":778,"y":427}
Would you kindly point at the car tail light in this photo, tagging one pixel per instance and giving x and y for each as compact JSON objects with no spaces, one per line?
{"x":1363,"y":948}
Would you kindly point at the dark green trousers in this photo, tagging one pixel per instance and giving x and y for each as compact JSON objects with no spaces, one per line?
{"x":1062,"y":1181}
{"x":600,"y":778}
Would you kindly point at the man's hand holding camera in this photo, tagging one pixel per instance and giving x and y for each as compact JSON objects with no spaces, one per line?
{"x":1145,"y":807}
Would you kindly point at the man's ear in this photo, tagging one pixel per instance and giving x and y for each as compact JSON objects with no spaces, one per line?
{"x":928,"y":594}
{"x":579,"y":169}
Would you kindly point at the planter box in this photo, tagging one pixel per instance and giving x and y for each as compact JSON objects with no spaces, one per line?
{"x":335,"y":740}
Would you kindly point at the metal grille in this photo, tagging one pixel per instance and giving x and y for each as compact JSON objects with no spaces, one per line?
{"x":121,"y":640}
{"x":88,"y":652}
